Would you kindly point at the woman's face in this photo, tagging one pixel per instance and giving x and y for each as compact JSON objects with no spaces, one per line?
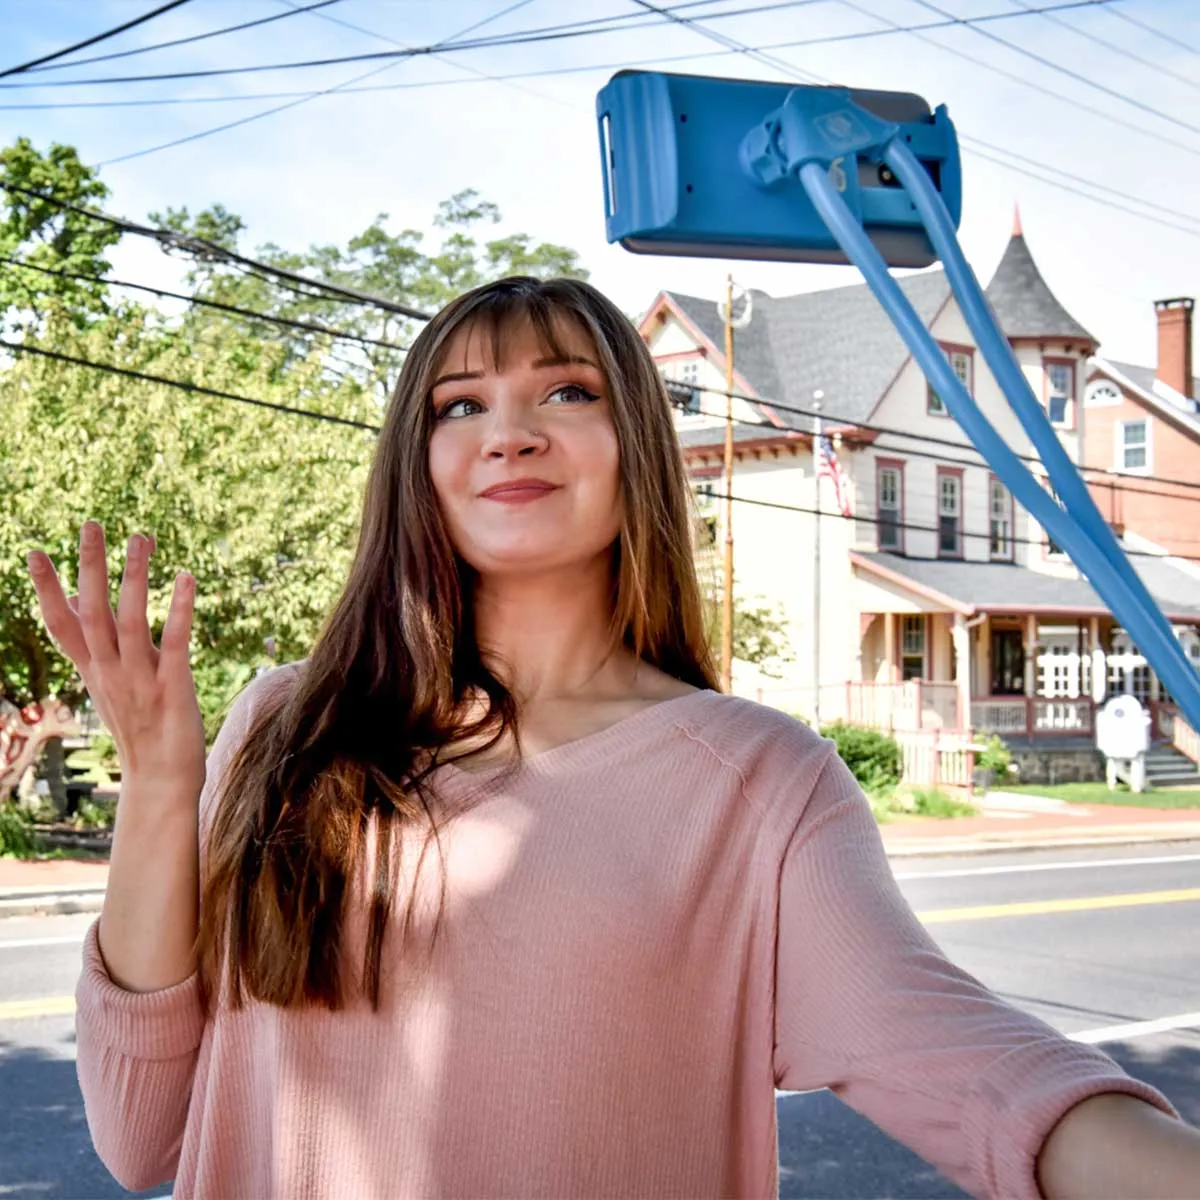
{"x":533,"y":421}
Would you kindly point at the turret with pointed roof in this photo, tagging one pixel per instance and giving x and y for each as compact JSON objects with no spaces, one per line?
{"x":1023,"y":301}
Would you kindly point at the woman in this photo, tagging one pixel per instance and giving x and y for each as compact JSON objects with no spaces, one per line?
{"x":495,"y":894}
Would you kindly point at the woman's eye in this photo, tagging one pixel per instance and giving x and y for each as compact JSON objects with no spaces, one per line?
{"x":573,"y":394}
{"x":455,"y":408}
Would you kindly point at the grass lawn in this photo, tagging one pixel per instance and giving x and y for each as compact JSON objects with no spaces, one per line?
{"x":1098,"y":793}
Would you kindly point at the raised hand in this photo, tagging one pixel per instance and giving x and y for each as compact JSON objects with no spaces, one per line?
{"x":145,"y":695}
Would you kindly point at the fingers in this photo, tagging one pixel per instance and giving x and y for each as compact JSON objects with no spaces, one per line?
{"x":95,"y":613}
{"x":177,"y":631}
{"x":60,"y":614}
{"x":133,"y":629}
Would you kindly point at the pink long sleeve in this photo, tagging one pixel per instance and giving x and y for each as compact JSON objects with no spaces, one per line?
{"x":869,"y":1006}
{"x":137,"y":1051}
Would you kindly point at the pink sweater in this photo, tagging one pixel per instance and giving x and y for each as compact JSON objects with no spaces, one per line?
{"x":646,"y":933}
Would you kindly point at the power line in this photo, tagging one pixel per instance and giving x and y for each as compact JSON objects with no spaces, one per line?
{"x":910,"y":526}
{"x":917,"y":31}
{"x":533,"y":36}
{"x":163,"y":381}
{"x":788,"y":68}
{"x":1104,"y":480}
{"x":100,"y":37}
{"x":1067,"y":71}
{"x":1124,"y":52}
{"x":258,"y":116}
{"x":1158,"y":33}
{"x":198,"y":389}
{"x":196,"y":37}
{"x":202,"y":302}
{"x":202,"y":248}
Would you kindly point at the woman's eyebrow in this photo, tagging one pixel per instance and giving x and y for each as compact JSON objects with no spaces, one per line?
{"x":538,"y":364}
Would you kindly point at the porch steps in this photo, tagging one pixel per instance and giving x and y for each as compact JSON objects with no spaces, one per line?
{"x":1167,"y":768}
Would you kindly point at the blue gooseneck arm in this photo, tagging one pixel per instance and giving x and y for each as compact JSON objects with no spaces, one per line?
{"x":1109,"y":579}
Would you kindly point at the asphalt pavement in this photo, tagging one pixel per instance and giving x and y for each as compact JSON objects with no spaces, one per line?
{"x":1102,"y":942}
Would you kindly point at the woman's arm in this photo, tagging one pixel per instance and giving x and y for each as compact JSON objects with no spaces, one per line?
{"x":1119,"y":1146}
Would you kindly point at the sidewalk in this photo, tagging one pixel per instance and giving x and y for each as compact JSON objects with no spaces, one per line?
{"x":1007,"y":822}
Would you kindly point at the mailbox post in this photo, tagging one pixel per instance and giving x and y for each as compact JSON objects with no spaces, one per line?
{"x":1123,"y":737}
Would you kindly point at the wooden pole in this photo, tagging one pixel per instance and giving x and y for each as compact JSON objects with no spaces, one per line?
{"x":727,"y":606}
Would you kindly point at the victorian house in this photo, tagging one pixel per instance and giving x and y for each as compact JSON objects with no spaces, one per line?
{"x":917,"y":595}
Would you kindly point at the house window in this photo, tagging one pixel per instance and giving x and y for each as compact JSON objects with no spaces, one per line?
{"x":1133,"y":447}
{"x":889,"y":482}
{"x":1060,"y":391}
{"x":1000,"y":545}
{"x":912,"y":648}
{"x":1053,"y":549}
{"x":949,"y":513}
{"x":962,"y":363}
{"x":682,"y":386}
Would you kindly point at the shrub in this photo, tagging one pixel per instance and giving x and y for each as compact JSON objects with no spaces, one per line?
{"x":17,"y":835}
{"x":933,"y":802}
{"x":995,"y":758}
{"x":873,"y":757}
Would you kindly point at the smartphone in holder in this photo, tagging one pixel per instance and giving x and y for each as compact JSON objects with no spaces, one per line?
{"x":677,"y":179}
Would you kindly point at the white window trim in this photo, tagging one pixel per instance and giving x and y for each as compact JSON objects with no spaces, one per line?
{"x":1119,"y":447}
{"x":1094,"y":396}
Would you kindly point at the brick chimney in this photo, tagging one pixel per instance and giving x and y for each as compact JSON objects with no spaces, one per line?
{"x":1175,"y":343}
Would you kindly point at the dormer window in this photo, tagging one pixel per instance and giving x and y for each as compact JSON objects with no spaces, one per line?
{"x":682,"y":383}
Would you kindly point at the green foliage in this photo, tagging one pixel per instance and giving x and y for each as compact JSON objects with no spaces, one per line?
{"x":94,"y":814}
{"x":49,"y":236}
{"x":17,"y":835}
{"x":933,"y":802}
{"x":261,"y":507}
{"x":873,"y":757}
{"x":996,"y":758}
{"x":759,"y":632}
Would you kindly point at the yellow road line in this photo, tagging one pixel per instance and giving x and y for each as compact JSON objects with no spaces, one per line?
{"x":64,"y":1006}
{"x":987,"y":912}
{"x":44,"y":1006}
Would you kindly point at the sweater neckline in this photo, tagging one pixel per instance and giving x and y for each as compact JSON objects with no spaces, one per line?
{"x":581,"y":751}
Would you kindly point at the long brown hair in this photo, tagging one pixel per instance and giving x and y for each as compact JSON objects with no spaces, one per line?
{"x":379,"y":702}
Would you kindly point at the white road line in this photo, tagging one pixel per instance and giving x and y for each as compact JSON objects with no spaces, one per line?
{"x":1136,"y":1029}
{"x":26,"y":943}
{"x":1059,"y":866}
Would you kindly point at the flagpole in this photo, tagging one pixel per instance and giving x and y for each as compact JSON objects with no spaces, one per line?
{"x":818,"y":396}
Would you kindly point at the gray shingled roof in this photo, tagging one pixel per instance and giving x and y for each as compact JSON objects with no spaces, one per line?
{"x":714,"y":435}
{"x":1144,"y":376}
{"x":839,"y":340}
{"x":1023,"y":303}
{"x":982,"y":584}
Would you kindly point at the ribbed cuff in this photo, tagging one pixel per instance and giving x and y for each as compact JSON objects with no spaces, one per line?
{"x":1024,"y":1096}
{"x":156,"y":1025}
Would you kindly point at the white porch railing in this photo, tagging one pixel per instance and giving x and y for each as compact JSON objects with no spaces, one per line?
{"x":915,"y":704}
{"x":1036,"y":716}
{"x":1185,"y":739}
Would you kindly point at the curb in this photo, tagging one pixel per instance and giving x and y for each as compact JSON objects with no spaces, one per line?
{"x":946,"y":846}
{"x":35,"y":900}
{"x":38,"y":901}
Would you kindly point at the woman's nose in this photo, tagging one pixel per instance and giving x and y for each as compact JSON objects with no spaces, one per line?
{"x":514,"y":435}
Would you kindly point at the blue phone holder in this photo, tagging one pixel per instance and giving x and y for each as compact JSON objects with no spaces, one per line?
{"x":741,"y":169}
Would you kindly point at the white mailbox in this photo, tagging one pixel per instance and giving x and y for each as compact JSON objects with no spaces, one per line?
{"x":1123,"y":728}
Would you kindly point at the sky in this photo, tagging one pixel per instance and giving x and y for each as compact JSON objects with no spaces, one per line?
{"x":321,"y":170}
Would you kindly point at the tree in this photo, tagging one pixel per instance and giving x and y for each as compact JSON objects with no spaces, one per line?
{"x":396,"y":267}
{"x":261,"y":506}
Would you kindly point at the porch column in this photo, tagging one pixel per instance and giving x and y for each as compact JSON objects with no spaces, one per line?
{"x":1099,"y":667}
{"x":1030,"y":654}
{"x":889,"y":646}
{"x":960,"y":636}
{"x":983,"y":655}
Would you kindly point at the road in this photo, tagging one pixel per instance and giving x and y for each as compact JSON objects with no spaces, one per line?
{"x":1102,"y":943}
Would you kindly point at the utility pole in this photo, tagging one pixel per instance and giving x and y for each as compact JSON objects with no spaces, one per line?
{"x":818,"y":396}
{"x":727,"y":606}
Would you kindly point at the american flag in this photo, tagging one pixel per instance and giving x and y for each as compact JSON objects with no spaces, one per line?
{"x":829,"y":468}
